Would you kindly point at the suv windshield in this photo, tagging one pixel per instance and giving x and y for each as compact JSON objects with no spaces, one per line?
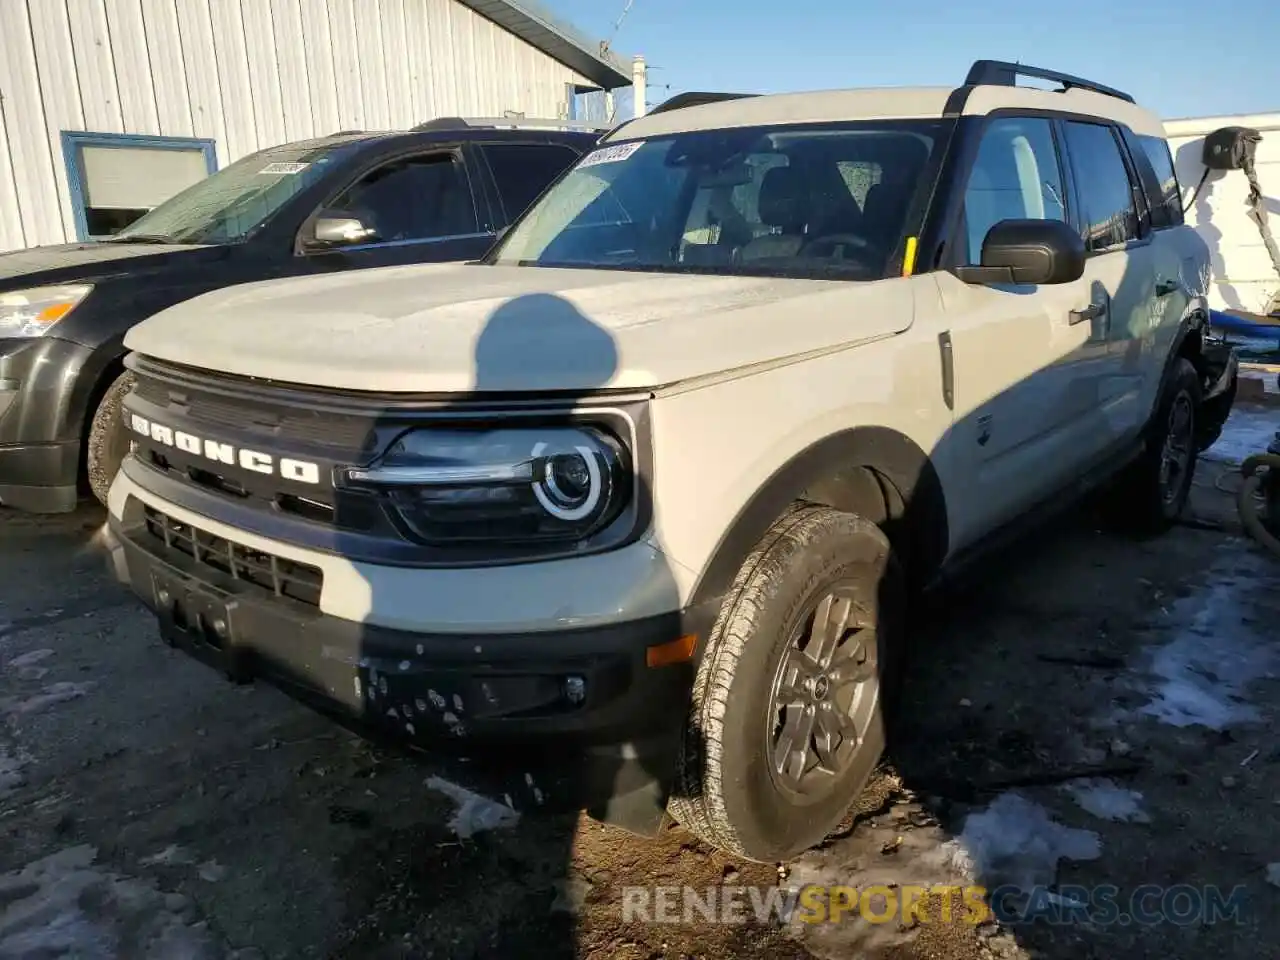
{"x":795,"y":200}
{"x":231,"y":204}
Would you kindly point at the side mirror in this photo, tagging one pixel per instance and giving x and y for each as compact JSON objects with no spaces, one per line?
{"x":1028,"y":252}
{"x":334,"y":228}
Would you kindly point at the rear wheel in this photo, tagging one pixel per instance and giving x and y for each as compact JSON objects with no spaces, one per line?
{"x":108,"y":442}
{"x":787,"y":721}
{"x":1151,"y":494}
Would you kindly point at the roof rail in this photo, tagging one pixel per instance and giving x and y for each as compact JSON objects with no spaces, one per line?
{"x":512,"y":123}
{"x":1001,"y":74}
{"x":682,"y":100}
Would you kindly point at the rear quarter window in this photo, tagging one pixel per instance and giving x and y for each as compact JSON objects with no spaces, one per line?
{"x":1166,"y":205}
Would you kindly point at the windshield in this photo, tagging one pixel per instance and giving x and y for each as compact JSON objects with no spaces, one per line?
{"x":796,"y":200}
{"x":230,"y":205}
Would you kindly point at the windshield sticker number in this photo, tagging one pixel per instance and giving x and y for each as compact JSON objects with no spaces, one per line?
{"x":284,"y":168}
{"x":611,"y":154}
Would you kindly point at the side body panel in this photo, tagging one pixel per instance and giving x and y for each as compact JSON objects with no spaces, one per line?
{"x":719,"y":445}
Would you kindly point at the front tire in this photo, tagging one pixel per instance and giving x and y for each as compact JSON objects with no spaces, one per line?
{"x":788,"y":715}
{"x":108,"y":442}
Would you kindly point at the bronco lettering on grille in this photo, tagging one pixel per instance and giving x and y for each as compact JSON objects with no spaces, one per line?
{"x":300,"y":471}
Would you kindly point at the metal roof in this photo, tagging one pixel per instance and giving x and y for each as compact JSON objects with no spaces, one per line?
{"x":534,"y":24}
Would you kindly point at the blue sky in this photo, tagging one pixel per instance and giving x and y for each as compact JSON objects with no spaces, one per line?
{"x":1202,"y":58}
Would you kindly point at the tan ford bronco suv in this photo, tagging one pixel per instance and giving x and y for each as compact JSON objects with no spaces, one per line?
{"x":633,"y":508}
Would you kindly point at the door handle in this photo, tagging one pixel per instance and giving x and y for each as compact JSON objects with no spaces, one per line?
{"x":1092,"y":312}
{"x":1165,"y":287}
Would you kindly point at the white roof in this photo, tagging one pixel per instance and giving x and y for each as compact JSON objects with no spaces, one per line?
{"x":882,"y":103}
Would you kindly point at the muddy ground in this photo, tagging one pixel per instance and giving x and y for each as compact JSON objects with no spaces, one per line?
{"x":1092,"y":711}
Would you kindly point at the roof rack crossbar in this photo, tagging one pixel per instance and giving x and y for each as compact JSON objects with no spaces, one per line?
{"x":466,"y":123}
{"x":1002,"y":74}
{"x":694,"y":99}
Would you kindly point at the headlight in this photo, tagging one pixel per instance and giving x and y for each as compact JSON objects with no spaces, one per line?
{"x":457,"y":486}
{"x":31,"y":313}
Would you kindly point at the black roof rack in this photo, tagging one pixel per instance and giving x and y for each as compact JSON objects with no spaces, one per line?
{"x":517,"y":121}
{"x":1001,"y":74}
{"x":682,"y":100}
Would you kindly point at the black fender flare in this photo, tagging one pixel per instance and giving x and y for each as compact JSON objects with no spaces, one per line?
{"x":876,"y":472}
{"x":1193,"y":323}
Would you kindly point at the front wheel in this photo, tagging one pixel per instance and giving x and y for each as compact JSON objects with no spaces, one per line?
{"x":108,"y":442}
{"x":788,"y":714}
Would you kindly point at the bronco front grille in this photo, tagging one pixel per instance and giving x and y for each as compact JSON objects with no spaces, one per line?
{"x":284,"y":578}
{"x":340,"y":431}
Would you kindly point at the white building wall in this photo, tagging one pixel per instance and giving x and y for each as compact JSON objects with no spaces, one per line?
{"x":1244,"y":277}
{"x":246,"y":74}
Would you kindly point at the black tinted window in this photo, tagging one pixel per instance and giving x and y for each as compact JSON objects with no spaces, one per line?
{"x":1102,"y":179}
{"x":523,"y":171}
{"x":1166,"y":207}
{"x":420,"y":198}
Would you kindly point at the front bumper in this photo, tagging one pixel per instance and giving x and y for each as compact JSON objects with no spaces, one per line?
{"x":39,"y":461}
{"x":568,"y":718}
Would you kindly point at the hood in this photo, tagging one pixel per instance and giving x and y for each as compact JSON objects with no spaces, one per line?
{"x":460,"y":328}
{"x":80,"y":261}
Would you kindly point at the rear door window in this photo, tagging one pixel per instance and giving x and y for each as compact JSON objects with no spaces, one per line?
{"x":1109,"y":217}
{"x":523,"y":170}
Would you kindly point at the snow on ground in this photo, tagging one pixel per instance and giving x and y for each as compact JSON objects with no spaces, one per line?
{"x":64,"y":906}
{"x":11,"y":765}
{"x":1013,"y":840}
{"x":1107,"y":800}
{"x":1016,"y":841}
{"x":1202,"y":676}
{"x":1248,"y":430}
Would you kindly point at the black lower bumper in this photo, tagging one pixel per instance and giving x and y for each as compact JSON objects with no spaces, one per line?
{"x":565,"y":720}
{"x":40,"y":478}
{"x":42,"y":393}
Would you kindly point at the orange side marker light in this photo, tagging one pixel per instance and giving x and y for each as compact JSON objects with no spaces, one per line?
{"x":673,"y":651}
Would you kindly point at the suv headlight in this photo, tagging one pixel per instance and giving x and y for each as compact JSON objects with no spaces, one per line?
{"x":509,"y":485}
{"x":31,"y":313}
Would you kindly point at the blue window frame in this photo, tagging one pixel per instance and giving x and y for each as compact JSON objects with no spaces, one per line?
{"x":73,"y":144}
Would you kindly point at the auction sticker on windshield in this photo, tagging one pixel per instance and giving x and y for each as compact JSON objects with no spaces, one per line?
{"x":284,"y":168}
{"x":611,"y":154}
